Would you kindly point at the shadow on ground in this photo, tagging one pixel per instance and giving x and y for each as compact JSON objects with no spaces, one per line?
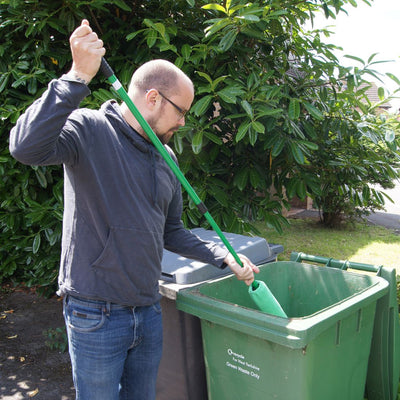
{"x":29,"y":369}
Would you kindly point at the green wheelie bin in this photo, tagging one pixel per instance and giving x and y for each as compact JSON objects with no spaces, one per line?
{"x":319,"y":352}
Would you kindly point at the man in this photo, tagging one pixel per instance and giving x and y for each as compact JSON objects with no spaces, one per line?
{"x":123,"y":204}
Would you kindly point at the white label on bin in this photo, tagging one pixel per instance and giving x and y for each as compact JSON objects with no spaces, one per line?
{"x":239,"y":363}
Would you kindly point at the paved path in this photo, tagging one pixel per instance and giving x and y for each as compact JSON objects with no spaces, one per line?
{"x":390,"y":221}
{"x":390,"y":218}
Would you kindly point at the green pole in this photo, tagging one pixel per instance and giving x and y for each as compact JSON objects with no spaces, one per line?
{"x":259,"y":291}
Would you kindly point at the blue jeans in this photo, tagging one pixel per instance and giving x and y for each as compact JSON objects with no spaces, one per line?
{"x":115,"y":350}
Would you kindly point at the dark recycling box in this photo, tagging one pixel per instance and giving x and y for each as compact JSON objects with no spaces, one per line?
{"x":182,"y":372}
{"x":185,"y":271}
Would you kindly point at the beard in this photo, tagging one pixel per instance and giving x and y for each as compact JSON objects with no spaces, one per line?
{"x":164,"y":136}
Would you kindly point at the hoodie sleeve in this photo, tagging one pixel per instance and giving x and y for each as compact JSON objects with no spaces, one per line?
{"x":37,"y":138}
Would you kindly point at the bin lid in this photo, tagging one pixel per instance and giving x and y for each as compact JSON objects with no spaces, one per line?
{"x":182,"y":270}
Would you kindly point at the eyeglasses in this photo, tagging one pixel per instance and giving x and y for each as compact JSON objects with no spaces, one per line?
{"x":181,"y":112}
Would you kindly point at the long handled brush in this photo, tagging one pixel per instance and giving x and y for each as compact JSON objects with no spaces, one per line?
{"x":258,"y":290}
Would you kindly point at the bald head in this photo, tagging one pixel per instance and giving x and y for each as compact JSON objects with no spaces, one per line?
{"x":158,"y":74}
{"x":162,"y":93}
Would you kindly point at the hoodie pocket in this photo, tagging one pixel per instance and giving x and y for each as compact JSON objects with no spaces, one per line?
{"x":130,"y":262}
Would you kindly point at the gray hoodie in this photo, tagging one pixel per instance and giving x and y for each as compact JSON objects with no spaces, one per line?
{"x":122,"y":203}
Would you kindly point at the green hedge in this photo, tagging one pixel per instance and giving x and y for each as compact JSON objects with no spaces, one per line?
{"x":266,"y":101}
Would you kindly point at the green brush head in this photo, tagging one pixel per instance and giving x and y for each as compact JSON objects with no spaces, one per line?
{"x":265,"y":300}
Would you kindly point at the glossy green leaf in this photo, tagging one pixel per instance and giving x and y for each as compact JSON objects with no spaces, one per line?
{"x":214,"y":6}
{"x":36,"y":243}
{"x":294,"y":109}
{"x":41,"y":177}
{"x":313,"y":111}
{"x":213,"y":137}
{"x":255,"y":178}
{"x":390,"y":136}
{"x":202,"y":105}
{"x":220,"y":195}
{"x":291,"y":188}
{"x":122,"y":5}
{"x":4,"y":78}
{"x":151,"y":38}
{"x":242,"y":131}
{"x":247,"y":107}
{"x":216,"y":27}
{"x":178,"y":144}
{"x":381,"y":93}
{"x":358,"y":59}
{"x":197,"y":139}
{"x":230,"y":93}
{"x":258,"y":126}
{"x":394,"y":78}
{"x":270,"y":112}
{"x":309,"y":145}
{"x":297,"y":153}
{"x":278,"y":147}
{"x":249,"y":17}
{"x":241,"y":178}
{"x":301,"y":190}
{"x":228,"y":40}
{"x":253,"y":136}
{"x":205,"y":76}
{"x":186,"y":50}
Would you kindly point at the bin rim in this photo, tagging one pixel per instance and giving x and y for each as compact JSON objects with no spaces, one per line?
{"x":291,"y":332}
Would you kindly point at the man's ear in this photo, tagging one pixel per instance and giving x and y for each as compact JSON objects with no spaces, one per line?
{"x":152,"y":97}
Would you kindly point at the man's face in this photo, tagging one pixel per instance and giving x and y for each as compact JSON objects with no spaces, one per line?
{"x":170,"y":117}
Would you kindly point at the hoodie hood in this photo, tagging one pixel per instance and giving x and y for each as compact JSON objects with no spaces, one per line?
{"x":113,"y":112}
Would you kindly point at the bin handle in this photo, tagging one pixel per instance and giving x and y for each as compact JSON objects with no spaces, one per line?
{"x":333,"y":263}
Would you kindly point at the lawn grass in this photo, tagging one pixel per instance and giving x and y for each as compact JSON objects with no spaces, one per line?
{"x":358,"y":242}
